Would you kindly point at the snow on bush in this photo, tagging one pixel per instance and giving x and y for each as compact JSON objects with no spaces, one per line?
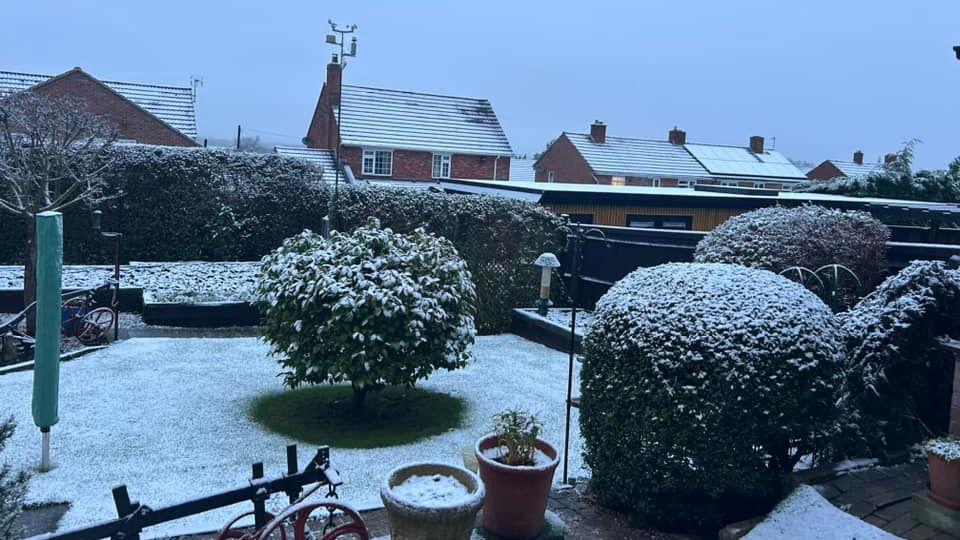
{"x":13,"y":489}
{"x":371,"y":307}
{"x":946,"y":448}
{"x":704,"y":382}
{"x":900,"y":380}
{"x":809,"y":236}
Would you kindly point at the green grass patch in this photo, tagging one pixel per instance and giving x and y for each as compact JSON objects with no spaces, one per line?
{"x":324,"y":415}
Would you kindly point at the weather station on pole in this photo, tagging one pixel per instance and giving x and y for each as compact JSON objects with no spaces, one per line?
{"x":339,"y":39}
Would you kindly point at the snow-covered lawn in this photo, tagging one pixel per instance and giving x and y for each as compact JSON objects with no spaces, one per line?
{"x":168,"y":418}
{"x":161,"y":282}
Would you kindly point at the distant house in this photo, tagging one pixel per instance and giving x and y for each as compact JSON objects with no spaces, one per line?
{"x":834,"y":168}
{"x":400,"y":135}
{"x":143,"y":113}
{"x":595,"y":158}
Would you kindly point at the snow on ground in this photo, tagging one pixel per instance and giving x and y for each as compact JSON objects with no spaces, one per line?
{"x":168,"y":418}
{"x":806,"y":515}
{"x":561,"y":316}
{"x":162,"y":282}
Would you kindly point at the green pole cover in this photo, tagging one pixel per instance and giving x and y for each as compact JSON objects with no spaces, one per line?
{"x":46,"y":365}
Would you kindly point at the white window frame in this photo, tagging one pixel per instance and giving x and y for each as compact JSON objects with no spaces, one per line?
{"x":618,"y":180}
{"x":688,"y":183}
{"x":760,"y":185}
{"x":551,"y":176}
{"x":655,"y":182}
{"x":437,"y":168}
{"x":372,"y":154}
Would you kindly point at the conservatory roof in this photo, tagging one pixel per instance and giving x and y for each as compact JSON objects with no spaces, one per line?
{"x":173,"y":105}
{"x":395,"y":119}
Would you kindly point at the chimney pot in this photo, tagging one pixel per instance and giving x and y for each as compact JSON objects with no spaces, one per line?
{"x":677,"y":136}
{"x":756,"y":144}
{"x":598,"y":132}
{"x":858,"y":157}
{"x":889,"y":158}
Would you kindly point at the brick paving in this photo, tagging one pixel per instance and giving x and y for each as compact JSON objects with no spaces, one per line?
{"x":882,"y":496}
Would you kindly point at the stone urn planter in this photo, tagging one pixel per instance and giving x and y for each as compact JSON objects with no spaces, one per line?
{"x":431,"y":501}
{"x":943,"y":460}
{"x":516,"y":495}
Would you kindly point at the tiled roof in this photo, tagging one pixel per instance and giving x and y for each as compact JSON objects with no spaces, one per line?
{"x":737,"y":161}
{"x":620,"y":156}
{"x":850,"y":168}
{"x":172,"y":104}
{"x":323,"y":158}
{"x":522,"y":170}
{"x":414,"y":121}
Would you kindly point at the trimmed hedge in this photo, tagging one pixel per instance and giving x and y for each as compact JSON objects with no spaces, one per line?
{"x":213,"y":205}
{"x":702,"y":385}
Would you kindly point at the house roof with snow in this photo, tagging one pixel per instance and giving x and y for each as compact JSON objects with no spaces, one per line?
{"x":174,"y":105}
{"x":522,"y":170}
{"x":851,"y":168}
{"x":622,"y":156}
{"x":323,"y":158}
{"x":737,"y":161}
{"x":398,"y":119}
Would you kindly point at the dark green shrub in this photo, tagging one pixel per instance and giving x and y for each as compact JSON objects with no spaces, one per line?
{"x":372,"y":307}
{"x":702,"y":385}
{"x":810,"y":236}
{"x":13,"y":489}
{"x":899,"y":380}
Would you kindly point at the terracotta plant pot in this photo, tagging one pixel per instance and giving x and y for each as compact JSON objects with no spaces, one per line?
{"x":516,"y":496}
{"x":944,"y":481}
{"x":412,"y":519}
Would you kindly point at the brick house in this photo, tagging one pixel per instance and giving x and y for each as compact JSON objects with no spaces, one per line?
{"x":143,"y":113}
{"x":596,"y":158}
{"x":400,"y":135}
{"x":835,"y":168}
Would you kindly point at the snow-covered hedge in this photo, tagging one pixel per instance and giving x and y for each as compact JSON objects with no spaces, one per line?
{"x":809,"y":236}
{"x":900,"y":380}
{"x":371,"y":307}
{"x":703,"y":384}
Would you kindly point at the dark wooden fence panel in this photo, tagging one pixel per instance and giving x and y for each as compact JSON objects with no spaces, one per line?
{"x":625,"y":249}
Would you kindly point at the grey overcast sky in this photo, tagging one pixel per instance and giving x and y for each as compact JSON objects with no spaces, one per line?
{"x":823,"y":77}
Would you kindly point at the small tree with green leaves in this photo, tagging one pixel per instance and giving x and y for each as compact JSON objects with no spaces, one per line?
{"x":371,"y":307}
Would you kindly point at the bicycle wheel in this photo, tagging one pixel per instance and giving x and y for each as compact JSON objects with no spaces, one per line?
{"x":94,"y":327}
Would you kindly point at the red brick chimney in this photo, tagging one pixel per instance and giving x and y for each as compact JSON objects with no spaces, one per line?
{"x":858,"y":157}
{"x":756,"y":144}
{"x":598,"y":132}
{"x":677,"y":136}
{"x":334,"y":78}
{"x":889,"y":158}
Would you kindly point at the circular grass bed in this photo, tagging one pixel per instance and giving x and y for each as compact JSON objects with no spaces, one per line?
{"x":325,"y":415}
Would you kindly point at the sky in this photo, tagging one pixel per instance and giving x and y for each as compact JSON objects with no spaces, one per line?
{"x":818,"y":79}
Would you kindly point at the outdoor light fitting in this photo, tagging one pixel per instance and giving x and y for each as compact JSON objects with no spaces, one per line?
{"x":546,"y":262}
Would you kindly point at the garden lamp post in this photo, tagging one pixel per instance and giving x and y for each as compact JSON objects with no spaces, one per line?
{"x":546,"y":262}
{"x":115,"y":236}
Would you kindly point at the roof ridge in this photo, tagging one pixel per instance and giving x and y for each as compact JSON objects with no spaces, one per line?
{"x":147,"y":85}
{"x":415,"y":92}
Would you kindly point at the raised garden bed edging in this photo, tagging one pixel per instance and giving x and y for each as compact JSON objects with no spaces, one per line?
{"x":202,"y":314}
{"x":131,"y":299}
{"x":526,"y":323}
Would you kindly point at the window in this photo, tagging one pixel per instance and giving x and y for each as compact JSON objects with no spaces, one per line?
{"x":759,"y":185}
{"x":676,"y":223}
{"x":687,"y":183}
{"x":378,"y":162}
{"x":618,"y":181}
{"x":551,"y":176}
{"x":585,"y":219}
{"x":441,"y":165}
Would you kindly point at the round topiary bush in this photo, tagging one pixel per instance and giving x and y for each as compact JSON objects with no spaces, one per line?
{"x":372,"y":307}
{"x":809,"y":236}
{"x":702,"y":385}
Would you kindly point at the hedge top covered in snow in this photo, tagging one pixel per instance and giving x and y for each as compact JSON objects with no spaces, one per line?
{"x":809,"y":236}
{"x":705,"y":377}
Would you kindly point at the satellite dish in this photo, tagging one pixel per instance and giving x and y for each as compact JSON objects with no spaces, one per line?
{"x":307,"y":141}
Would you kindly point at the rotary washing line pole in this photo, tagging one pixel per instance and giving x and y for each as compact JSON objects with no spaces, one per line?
{"x":46,"y":365}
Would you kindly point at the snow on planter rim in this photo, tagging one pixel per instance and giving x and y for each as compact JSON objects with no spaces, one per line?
{"x":473,"y":498}
{"x":168,"y":418}
{"x":494,"y":464}
{"x":946,"y":448}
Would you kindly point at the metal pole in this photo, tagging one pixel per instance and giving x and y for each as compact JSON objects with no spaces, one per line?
{"x":45,"y":449}
{"x":574,"y":277}
{"x":238,"y":136}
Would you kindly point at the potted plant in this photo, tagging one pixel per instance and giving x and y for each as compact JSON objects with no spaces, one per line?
{"x":431,"y":501}
{"x":517,"y":468}
{"x":943,"y":459}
